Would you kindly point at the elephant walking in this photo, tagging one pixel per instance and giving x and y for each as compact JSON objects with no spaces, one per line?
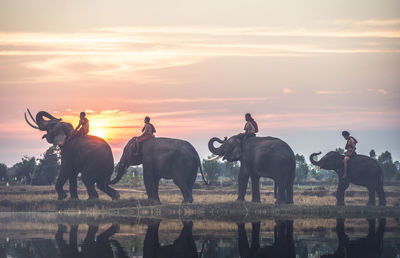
{"x":260,"y":157}
{"x":361,"y":170}
{"x":89,"y":155}
{"x":163,"y":158}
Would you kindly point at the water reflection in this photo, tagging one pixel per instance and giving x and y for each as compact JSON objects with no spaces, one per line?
{"x":207,"y":239}
{"x":369,"y":246}
{"x":92,"y":246}
{"x":283,"y":245}
{"x":183,"y":246}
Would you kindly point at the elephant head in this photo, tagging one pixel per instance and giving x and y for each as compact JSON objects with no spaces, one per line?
{"x":331,"y":161}
{"x":230,"y":149}
{"x":128,"y":159}
{"x":56,"y":130}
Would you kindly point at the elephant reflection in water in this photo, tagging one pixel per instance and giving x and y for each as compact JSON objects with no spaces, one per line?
{"x":183,"y":247}
{"x":92,"y":246}
{"x":283,"y":241}
{"x":369,"y":246}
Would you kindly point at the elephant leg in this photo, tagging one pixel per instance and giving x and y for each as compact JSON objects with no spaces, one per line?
{"x":371,"y":194}
{"x":108,"y":190}
{"x":186,"y":193}
{"x":289,"y":193}
{"x":342,"y":186}
{"x":73,"y":236}
{"x":89,"y":183}
{"x":73,"y":186}
{"x":255,"y":235}
{"x":281,"y":193}
{"x":149,"y":182}
{"x":61,"y":179}
{"x":255,"y":189}
{"x":243,"y":181}
{"x":381,"y":195}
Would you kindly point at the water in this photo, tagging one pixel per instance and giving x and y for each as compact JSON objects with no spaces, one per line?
{"x":58,"y":235}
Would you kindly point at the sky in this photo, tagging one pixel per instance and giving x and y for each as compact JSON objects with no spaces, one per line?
{"x":305,"y":70}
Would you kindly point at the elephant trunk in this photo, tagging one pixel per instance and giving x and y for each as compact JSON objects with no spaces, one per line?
{"x":41,"y":122}
{"x":314,"y":162}
{"x":216,"y":151}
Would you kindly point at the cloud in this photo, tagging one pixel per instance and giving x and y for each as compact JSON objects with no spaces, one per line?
{"x":331,"y":92}
{"x":287,"y":91}
{"x":381,"y":91}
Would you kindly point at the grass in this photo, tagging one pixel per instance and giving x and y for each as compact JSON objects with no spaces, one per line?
{"x":213,"y":202}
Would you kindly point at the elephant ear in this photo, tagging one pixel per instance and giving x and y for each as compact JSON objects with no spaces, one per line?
{"x":60,"y":138}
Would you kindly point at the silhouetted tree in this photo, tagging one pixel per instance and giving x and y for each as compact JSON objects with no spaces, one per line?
{"x":3,"y":172}
{"x":372,"y":154}
{"x":340,"y":150}
{"x":388,"y":168}
{"x":48,"y":168}
{"x":23,"y":170}
{"x":232,"y":170}
{"x":302,"y":168}
{"x":212,"y":168}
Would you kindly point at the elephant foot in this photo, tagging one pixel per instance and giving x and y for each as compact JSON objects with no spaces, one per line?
{"x":289,"y":202}
{"x":74,"y":198}
{"x":154,"y":201}
{"x":279,"y":202}
{"x":256,"y":200}
{"x":62,"y":196}
{"x":370,"y":204}
{"x":383,"y":203}
{"x":187,"y":201}
{"x":340,"y":204}
{"x":240,"y":199}
{"x":93,"y":198}
{"x":115,"y":197}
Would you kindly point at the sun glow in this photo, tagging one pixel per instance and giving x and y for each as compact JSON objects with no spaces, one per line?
{"x":99,"y":132}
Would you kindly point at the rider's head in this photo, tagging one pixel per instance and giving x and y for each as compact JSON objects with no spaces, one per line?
{"x":346,"y":134}
{"x":248,"y":117}
{"x":147,"y":119}
{"x":82,"y":115}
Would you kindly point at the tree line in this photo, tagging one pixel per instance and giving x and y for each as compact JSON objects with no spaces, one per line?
{"x":44,"y":170}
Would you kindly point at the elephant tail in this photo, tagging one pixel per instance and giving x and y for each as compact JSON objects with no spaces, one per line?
{"x":201,"y":171}
{"x":121,"y":172}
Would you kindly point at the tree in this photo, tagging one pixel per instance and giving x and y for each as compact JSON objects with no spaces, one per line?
{"x":3,"y":172}
{"x":302,"y":168}
{"x":372,"y":154}
{"x":212,"y":168}
{"x":388,"y":167}
{"x":340,"y":150}
{"x":23,"y":170}
{"x":232,"y":170}
{"x":48,"y":168}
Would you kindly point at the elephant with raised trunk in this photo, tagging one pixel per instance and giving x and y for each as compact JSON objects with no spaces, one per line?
{"x":162,"y":158}
{"x":89,"y":155}
{"x":361,"y":170}
{"x":260,"y":157}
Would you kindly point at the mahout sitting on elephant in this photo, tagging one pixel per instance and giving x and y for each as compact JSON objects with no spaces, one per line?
{"x":162,"y":158}
{"x":369,"y":246}
{"x":361,"y":170}
{"x":89,"y":155}
{"x":283,"y":245}
{"x":183,"y":247}
{"x":260,"y":157}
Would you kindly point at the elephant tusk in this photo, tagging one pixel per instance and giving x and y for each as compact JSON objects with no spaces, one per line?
{"x":213,"y":158}
{"x":26,"y":119}
{"x":31,"y":116}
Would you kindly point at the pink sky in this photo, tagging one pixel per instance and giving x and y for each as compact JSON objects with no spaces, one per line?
{"x":304,"y":75}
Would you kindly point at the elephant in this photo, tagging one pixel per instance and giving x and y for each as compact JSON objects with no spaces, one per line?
{"x":89,"y":155}
{"x":162,"y":158}
{"x":283,"y":241}
{"x":92,"y":246}
{"x":183,"y":247}
{"x":260,"y":157}
{"x":369,"y":246}
{"x":362,"y":170}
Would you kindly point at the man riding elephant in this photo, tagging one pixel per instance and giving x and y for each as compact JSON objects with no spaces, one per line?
{"x":350,"y":150}
{"x":148,"y":131}
{"x":250,"y":128}
{"x":83,"y":126}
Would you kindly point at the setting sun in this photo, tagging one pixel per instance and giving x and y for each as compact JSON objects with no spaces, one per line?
{"x":99,"y":132}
